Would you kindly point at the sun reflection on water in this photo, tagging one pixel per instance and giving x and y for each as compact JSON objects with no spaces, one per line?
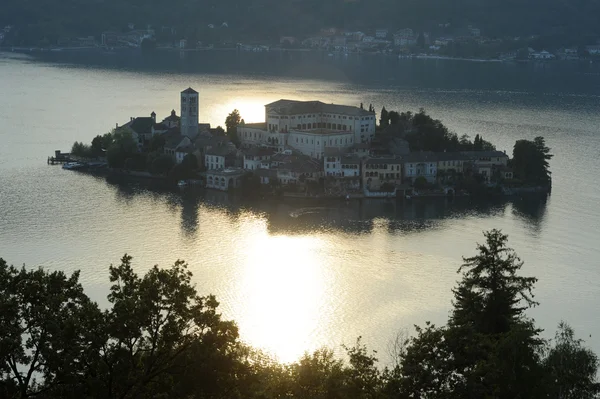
{"x":284,"y":285}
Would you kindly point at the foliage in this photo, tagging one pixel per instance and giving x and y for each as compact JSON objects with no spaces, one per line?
{"x":420,"y":182}
{"x":571,"y":368}
{"x":47,"y":330}
{"x":423,"y":133}
{"x":160,"y":164}
{"x":45,"y":21}
{"x":122,"y":147}
{"x":530,"y":161}
{"x":219,"y":131}
{"x":384,"y":118}
{"x":157,"y":143}
{"x":479,"y":144}
{"x":232,"y":122}
{"x":159,"y":338}
{"x":489,"y":348}
{"x":250,"y":185}
{"x":488,"y":295}
{"x":81,"y":150}
{"x":190,"y":162}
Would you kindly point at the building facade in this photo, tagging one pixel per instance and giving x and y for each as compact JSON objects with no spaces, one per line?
{"x":420,"y":164}
{"x":309,"y":127}
{"x":378,"y":171}
{"x":224,"y":179}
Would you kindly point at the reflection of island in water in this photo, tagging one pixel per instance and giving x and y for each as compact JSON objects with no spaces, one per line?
{"x":293,"y":215}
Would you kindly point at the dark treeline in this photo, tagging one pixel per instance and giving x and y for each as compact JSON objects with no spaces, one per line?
{"x":48,"y":20}
{"x":160,"y":339}
{"x":424,"y":133}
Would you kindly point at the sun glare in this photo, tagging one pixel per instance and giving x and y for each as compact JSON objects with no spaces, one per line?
{"x":251,"y":109}
{"x":285,"y":289}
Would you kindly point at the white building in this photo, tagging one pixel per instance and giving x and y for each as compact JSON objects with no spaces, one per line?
{"x":332,"y":161}
{"x":419,"y":164}
{"x":381,"y":33}
{"x":257,"y":158}
{"x":309,"y":127}
{"x":219,"y":158}
{"x":350,"y":166}
{"x":189,"y":113}
{"x":542,"y":55}
{"x":224,"y":179}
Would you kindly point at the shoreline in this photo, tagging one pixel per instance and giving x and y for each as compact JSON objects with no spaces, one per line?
{"x":131,"y":176}
{"x":136,"y":51}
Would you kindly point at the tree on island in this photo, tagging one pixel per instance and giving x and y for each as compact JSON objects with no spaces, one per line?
{"x":122,"y":147}
{"x":220,"y":131}
{"x":393,"y":117}
{"x":79,"y":149}
{"x":530,"y":161}
{"x":384,"y":119}
{"x":232,"y":122}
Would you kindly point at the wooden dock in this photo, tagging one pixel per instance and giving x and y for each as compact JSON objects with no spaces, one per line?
{"x":60,"y":158}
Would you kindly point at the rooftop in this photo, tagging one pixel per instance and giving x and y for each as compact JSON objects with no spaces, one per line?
{"x":173,"y":117}
{"x":221,"y":151}
{"x":423,"y":156}
{"x":377,"y":161}
{"x":260,"y":125}
{"x":319,"y":131}
{"x":307,"y":107}
{"x":189,"y":90}
{"x":350,"y":160}
{"x":259,"y":152}
{"x":142,"y":124}
{"x":335,"y":151}
{"x":226,"y":172}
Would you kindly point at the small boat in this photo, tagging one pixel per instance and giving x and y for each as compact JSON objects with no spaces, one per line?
{"x":182,"y":183}
{"x":72,"y":165}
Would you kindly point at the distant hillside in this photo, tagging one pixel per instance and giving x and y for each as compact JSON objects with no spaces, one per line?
{"x":35,"y":20}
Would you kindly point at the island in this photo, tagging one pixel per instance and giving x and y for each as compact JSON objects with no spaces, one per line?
{"x":311,"y":149}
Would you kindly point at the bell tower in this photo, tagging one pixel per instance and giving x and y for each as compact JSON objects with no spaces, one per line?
{"x":189,"y":113}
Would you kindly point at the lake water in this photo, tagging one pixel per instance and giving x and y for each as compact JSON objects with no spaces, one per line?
{"x":332,"y":272}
